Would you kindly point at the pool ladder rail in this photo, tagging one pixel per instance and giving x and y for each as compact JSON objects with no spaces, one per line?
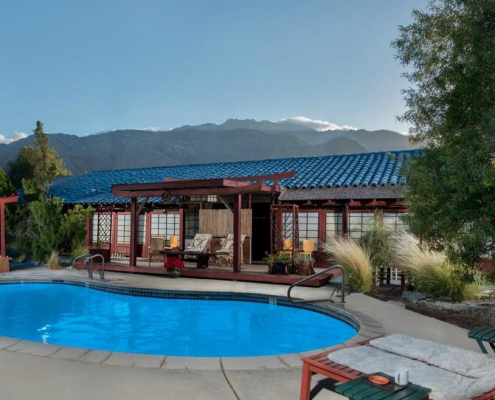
{"x":89,"y":258}
{"x":336,"y":289}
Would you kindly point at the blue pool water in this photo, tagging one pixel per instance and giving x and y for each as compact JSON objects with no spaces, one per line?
{"x":88,"y":318}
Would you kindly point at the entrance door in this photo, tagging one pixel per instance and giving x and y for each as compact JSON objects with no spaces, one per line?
{"x":261,"y":230}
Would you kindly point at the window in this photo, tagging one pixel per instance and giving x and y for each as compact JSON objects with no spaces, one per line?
{"x":333,"y":225}
{"x":105,"y":228}
{"x":394,"y":222}
{"x":308,"y":228}
{"x":165,"y":225}
{"x":124,"y":229}
{"x":360,"y":223}
{"x":192,"y":222}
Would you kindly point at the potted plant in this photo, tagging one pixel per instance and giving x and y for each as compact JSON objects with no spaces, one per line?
{"x":303,"y":263}
{"x":174,"y":265}
{"x":278,"y":263}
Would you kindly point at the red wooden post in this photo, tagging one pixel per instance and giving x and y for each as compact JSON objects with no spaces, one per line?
{"x":237,"y":232}
{"x":182,"y":231}
{"x":2,"y":223}
{"x":88,"y":238}
{"x":134,"y":230}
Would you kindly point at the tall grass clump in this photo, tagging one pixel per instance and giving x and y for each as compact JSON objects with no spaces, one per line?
{"x":432,"y":272}
{"x":53,"y":261}
{"x":355,"y":261}
{"x":377,"y":241}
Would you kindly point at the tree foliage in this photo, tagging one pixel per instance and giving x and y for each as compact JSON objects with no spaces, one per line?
{"x":45,"y":222}
{"x":6,"y":187}
{"x":449,"y":51}
{"x":36,"y":167}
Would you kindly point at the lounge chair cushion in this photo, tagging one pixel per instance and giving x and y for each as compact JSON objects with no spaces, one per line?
{"x":445,"y":385}
{"x":451,"y":358}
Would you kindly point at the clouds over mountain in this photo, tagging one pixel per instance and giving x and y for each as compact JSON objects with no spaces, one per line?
{"x":15,"y":137}
{"x":316,"y":124}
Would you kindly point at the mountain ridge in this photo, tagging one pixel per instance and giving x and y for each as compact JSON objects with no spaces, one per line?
{"x":234,"y":140}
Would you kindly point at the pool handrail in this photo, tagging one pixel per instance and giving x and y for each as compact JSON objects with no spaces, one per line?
{"x":298,"y":283}
{"x":90,"y":269}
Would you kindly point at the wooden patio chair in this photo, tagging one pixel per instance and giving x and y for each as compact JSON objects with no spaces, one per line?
{"x":226,"y":252}
{"x":322,"y":365}
{"x":173,"y":243}
{"x":156,"y":246}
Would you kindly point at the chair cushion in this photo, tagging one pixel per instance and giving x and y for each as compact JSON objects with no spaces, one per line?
{"x":445,"y":385}
{"x":451,"y":358}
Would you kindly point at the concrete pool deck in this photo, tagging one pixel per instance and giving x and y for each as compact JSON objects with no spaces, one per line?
{"x":49,"y":372}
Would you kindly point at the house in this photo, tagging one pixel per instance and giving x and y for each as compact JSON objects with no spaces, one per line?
{"x":327,"y":196}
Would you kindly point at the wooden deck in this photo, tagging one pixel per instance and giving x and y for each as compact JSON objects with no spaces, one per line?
{"x":249,"y":273}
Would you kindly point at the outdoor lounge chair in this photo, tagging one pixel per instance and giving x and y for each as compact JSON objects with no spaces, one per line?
{"x":199,"y":245}
{"x":452,"y":373}
{"x":226,"y":252}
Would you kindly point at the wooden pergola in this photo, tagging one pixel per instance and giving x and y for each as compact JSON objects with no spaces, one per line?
{"x":236,"y":187}
{"x":3,"y":202}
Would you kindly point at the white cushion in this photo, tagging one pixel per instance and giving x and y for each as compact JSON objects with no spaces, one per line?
{"x":451,"y":358}
{"x":445,"y":385}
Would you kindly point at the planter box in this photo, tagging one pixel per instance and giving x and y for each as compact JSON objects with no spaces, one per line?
{"x":104,"y":252}
{"x":4,"y":264}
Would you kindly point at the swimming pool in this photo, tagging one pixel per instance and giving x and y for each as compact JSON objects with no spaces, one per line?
{"x":81,"y":317}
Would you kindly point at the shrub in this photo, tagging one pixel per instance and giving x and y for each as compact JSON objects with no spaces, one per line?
{"x":432,"y":272}
{"x":355,"y":261}
{"x":73,"y":227}
{"x":44,"y":226}
{"x":78,"y":250}
{"x":378,"y":243}
{"x":54,"y":262}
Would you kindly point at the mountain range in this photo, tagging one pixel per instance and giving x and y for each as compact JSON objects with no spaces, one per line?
{"x":234,"y":140}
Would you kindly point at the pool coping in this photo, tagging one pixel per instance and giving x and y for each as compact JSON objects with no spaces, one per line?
{"x":367,"y":327}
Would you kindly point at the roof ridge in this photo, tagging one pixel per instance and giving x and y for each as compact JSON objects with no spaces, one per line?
{"x":250,"y":161}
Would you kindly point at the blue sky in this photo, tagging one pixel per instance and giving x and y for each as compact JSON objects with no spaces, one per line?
{"x":95,"y":65}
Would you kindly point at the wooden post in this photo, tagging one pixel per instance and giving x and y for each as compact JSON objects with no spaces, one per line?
{"x":345,"y":219}
{"x":134,"y":230}
{"x":2,"y":223}
{"x":237,"y":232}
{"x":182,"y":231}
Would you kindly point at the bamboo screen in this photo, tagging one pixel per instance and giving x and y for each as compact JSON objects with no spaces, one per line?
{"x":221,"y":222}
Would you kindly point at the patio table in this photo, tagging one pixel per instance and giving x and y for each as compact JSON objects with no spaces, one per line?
{"x":202,"y":259}
{"x":356,"y":389}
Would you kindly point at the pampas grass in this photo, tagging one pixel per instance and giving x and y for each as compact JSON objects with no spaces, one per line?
{"x":431,"y":271}
{"x":355,"y":261}
{"x":54,"y":262}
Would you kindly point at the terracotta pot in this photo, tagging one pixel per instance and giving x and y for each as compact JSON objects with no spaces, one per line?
{"x":174,"y":272}
{"x":303,"y":269}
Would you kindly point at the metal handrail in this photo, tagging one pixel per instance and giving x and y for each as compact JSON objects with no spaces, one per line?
{"x":298,"y":283}
{"x":102,"y":270}
{"x":90,"y":269}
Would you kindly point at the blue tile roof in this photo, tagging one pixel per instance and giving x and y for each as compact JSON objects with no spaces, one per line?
{"x":350,"y":170}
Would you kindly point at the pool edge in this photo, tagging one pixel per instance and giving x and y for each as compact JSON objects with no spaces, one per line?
{"x":366,"y":326}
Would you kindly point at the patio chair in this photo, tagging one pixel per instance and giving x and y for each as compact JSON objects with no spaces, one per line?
{"x":451,"y":373}
{"x":156,"y":246}
{"x":173,"y":243}
{"x":199,"y":245}
{"x":226,"y":252}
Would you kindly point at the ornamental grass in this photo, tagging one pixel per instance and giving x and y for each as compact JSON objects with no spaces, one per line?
{"x":355,"y":260}
{"x":432,"y":272}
